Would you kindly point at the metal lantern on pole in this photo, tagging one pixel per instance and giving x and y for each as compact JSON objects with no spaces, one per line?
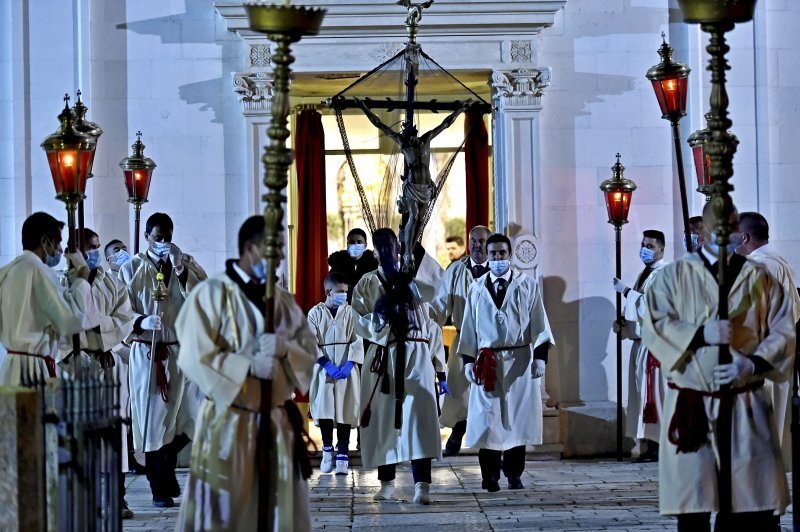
{"x":93,"y":130}
{"x":137,"y":170}
{"x":283,"y":25}
{"x":717,"y":18}
{"x":618,"y":192}
{"x":702,"y":162}
{"x":669,"y":79}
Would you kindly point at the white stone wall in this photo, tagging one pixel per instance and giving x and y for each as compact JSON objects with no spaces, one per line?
{"x":165,"y":68}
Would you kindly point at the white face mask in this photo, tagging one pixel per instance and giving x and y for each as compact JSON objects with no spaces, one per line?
{"x":93,"y":258}
{"x":161,"y":248}
{"x":356,"y":250}
{"x":338,"y":299}
{"x":499,"y":267}
{"x":121,"y":257}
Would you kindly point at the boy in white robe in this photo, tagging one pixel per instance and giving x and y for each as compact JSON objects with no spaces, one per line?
{"x":504,"y":341}
{"x":35,"y":310}
{"x":449,"y":303}
{"x":225,"y":351}
{"x":402,"y":423}
{"x":682,"y":330}
{"x":336,"y":383}
{"x":645,"y":382}
{"x":169,"y":423}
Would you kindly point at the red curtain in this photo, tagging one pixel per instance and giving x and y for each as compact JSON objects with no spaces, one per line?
{"x":312,"y":224}
{"x":476,"y":159}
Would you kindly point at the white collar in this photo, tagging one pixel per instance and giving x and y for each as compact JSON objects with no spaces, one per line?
{"x":655,"y":265}
{"x":241,"y":273}
{"x":507,"y":276}
{"x":761,"y":251}
{"x":712,"y":258}
{"x":473,"y":263}
{"x":155,"y":257}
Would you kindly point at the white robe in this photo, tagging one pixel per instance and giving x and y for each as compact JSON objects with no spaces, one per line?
{"x":449,"y":302}
{"x":681,"y":299}
{"x":511,"y":415}
{"x":635,"y":427}
{"x":167,"y":419}
{"x":219,"y":328}
{"x":781,"y":271}
{"x":418,"y":437}
{"x":35,"y":310}
{"x":338,"y":399}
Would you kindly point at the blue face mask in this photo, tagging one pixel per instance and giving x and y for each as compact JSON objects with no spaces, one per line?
{"x":338,"y":298}
{"x":161,"y":248}
{"x":121,"y":257}
{"x":499,"y":267}
{"x":731,"y":247}
{"x":93,"y":258}
{"x":356,"y":250}
{"x":260,"y":270}
{"x":52,"y":260}
{"x":695,"y":242}
{"x":647,"y":255}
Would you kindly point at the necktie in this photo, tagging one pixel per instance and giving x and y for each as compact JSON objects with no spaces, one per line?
{"x":165,"y":267}
{"x":501,"y":285}
{"x":477,"y":271}
{"x":643,"y":277}
{"x":500,"y":291}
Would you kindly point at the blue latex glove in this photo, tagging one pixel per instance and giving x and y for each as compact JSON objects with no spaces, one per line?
{"x":443,"y":388}
{"x":345,"y":370}
{"x":331,"y":369}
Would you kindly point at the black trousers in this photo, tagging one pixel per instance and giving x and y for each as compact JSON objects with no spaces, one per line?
{"x":751,"y":521}
{"x":420,"y":469}
{"x":160,"y":468}
{"x":457,"y":434}
{"x":512,"y":462}
{"x":342,"y":435}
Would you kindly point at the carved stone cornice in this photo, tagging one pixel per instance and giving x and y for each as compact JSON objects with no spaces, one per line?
{"x":254,"y":90}
{"x":520,"y":88}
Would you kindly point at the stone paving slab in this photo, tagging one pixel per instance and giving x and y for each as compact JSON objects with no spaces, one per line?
{"x":560,"y":495}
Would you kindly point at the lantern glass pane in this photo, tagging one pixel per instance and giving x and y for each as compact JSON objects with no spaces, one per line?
{"x":68,"y":165}
{"x":699,"y":170}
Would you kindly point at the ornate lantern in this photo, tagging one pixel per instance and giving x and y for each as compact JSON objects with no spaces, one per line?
{"x":698,"y":141}
{"x":137,"y":170}
{"x":669,"y":79}
{"x":618,"y":191}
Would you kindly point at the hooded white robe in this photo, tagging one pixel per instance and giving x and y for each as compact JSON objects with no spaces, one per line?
{"x":511,"y":415}
{"x":336,"y":399}
{"x":35,"y":310}
{"x":683,"y":297}
{"x":167,"y":419}
{"x":635,"y":427}
{"x":418,"y":437}
{"x":219,"y":328}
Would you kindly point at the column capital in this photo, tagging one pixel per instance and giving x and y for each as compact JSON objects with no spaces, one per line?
{"x":520,"y":88}
{"x":255,"y":90}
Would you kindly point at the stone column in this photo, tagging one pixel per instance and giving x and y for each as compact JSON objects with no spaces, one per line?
{"x":516,"y":95}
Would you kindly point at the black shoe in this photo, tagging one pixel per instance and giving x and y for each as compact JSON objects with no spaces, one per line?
{"x":175,"y":490}
{"x":451,"y":448}
{"x":515,"y":483}
{"x":163,"y":502}
{"x":649,"y":456}
{"x":126,"y":512}
{"x":135,"y":467}
{"x":491,"y":486}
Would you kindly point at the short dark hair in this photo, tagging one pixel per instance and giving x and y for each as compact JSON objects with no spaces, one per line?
{"x":457,"y":239}
{"x":83,"y":236}
{"x":358,"y":231}
{"x":335,"y":277}
{"x":38,"y":225}
{"x":387,"y":246}
{"x":160,"y":220}
{"x":111,"y":245}
{"x":499,"y":237}
{"x":252,"y":230}
{"x":695,"y":220}
{"x":755,"y":225}
{"x":658,"y":235}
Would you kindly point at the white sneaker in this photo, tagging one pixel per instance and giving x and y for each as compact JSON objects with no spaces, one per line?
{"x":386,"y":493}
{"x":342,"y":465}
{"x":422,"y":493}
{"x":326,"y":466}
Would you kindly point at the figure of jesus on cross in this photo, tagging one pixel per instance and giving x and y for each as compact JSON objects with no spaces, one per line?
{"x":418,"y":187}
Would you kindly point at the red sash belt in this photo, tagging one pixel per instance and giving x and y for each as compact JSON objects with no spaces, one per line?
{"x":485,"y":369}
{"x":650,"y":414}
{"x":688,"y":428}
{"x":162,"y":354}
{"x":50,"y":361}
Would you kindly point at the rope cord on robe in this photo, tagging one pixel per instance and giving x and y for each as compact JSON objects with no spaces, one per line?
{"x":162,"y":354}
{"x":378,"y":366}
{"x":650,"y":411}
{"x":302,"y":440}
{"x":688,"y":428}
{"x":50,"y":361}
{"x":336,"y":343}
{"x":484,"y":369}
